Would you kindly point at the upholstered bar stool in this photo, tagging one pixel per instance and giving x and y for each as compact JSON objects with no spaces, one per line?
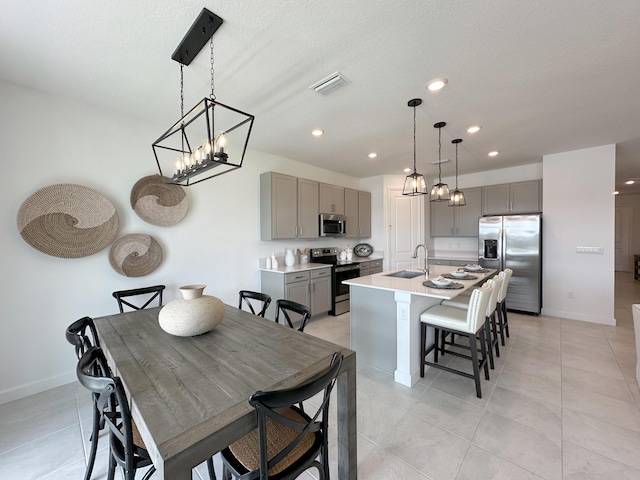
{"x":490,"y":320}
{"x":501,"y":308}
{"x":469,"y":323}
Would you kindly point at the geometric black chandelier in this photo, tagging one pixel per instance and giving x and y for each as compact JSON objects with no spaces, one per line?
{"x":210,"y":139}
{"x":440,"y":191}
{"x":414,"y":184}
{"x":457,"y":196}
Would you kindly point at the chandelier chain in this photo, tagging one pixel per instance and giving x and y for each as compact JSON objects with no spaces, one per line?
{"x":213,"y":97}
{"x":456,"y":166}
{"x":181,"y":91}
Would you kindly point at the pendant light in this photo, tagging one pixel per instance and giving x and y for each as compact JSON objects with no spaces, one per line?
{"x":440,"y":191}
{"x":457,"y":197}
{"x":210,"y":139}
{"x":415,"y":183}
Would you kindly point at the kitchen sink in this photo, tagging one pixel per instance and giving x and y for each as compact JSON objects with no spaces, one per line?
{"x":406,"y":274}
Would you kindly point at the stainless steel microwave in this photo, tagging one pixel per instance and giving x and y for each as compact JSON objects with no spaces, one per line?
{"x":332,"y":225}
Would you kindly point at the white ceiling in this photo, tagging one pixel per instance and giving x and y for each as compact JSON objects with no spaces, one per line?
{"x":541,"y":77}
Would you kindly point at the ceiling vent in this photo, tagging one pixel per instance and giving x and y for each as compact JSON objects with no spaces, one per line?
{"x":329,"y":84}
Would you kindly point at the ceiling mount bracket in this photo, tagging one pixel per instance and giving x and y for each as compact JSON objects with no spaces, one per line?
{"x":198,"y":35}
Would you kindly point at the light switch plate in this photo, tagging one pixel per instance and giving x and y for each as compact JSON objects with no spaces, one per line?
{"x":590,"y":250}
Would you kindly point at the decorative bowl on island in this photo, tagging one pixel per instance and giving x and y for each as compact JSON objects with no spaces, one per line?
{"x":459,"y":274}
{"x":473,"y":267}
{"x":440,"y":282}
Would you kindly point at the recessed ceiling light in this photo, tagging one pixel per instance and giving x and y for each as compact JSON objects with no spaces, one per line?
{"x":437,"y":84}
{"x":630,"y":182}
{"x":473,"y":129}
{"x":494,"y":153}
{"x":406,"y":170}
{"x":373,"y":155}
{"x":317,"y":132}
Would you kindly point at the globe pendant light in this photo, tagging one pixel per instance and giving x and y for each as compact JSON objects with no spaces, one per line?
{"x":457,"y":197}
{"x":440,"y":191}
{"x":415,"y":183}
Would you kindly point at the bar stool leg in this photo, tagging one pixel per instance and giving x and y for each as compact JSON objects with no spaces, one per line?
{"x":487,"y":330}
{"x":500,"y":323}
{"x":474,"y":360}
{"x":423,"y":340}
{"x":483,"y":349}
{"x":494,"y":338}
{"x":504,"y":316}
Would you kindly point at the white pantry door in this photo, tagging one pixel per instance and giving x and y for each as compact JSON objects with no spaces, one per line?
{"x":406,"y":227}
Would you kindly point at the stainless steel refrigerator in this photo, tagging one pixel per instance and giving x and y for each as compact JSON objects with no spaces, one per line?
{"x":515,"y":242}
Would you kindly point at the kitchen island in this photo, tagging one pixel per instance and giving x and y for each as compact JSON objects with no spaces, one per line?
{"x":385,"y":318}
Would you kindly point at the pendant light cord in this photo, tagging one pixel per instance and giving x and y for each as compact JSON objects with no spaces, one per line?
{"x":439,"y":156}
{"x":414,"y":140}
{"x":456,"y":166}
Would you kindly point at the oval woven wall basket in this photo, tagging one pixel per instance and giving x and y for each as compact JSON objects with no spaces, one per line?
{"x":159,"y":203}
{"x":135,"y":255}
{"x":68,"y":221}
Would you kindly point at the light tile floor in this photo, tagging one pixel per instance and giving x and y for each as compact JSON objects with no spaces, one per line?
{"x":562,"y":403}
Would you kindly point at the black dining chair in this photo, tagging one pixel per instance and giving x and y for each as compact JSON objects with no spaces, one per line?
{"x":288,"y":441}
{"x":246,"y":296}
{"x":83,"y":336}
{"x":286,"y":307}
{"x":127,"y":450}
{"x":149,"y":295}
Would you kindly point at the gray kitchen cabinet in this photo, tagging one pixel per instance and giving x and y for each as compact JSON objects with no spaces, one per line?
{"x":449,"y":221}
{"x":369,"y":267}
{"x":288,"y":207}
{"x":331,"y":199}
{"x":320,"y":290}
{"x":308,"y":287}
{"x":512,"y":198}
{"x":365,"y":269}
{"x":357,"y":208}
{"x":375,"y":266}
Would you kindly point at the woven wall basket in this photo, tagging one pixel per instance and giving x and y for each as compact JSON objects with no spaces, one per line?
{"x":135,"y":255}
{"x":159,"y":203}
{"x":68,"y":221}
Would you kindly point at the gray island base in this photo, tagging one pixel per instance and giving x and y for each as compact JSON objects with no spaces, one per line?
{"x":385,"y":319}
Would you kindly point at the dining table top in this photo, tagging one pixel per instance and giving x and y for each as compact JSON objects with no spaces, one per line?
{"x":189,"y":395}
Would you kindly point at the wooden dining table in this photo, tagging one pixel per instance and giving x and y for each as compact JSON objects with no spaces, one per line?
{"x":189,"y":395}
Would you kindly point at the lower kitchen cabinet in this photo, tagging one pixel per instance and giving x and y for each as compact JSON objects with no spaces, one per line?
{"x":370,"y":267}
{"x":308,"y":287}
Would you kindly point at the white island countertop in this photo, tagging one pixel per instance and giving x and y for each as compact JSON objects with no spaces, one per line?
{"x":382,"y":281}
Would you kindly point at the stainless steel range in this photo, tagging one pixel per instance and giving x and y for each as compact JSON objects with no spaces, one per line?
{"x":341,"y":270}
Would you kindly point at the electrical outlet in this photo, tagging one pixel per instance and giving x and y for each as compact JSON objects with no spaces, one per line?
{"x":570,"y":295}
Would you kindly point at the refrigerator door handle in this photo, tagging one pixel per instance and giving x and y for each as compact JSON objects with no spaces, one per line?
{"x":501,"y":248}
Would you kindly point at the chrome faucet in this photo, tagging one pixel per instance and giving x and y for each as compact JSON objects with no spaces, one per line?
{"x":426,"y":256}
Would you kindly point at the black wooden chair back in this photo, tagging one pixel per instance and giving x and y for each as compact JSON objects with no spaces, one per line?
{"x":246,"y":296}
{"x":83,"y":336}
{"x":296,"y":439}
{"x":113,"y":405}
{"x":150,"y":294}
{"x":284,"y":308}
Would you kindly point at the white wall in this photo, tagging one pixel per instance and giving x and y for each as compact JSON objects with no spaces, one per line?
{"x":578,"y":210}
{"x":47,"y":140}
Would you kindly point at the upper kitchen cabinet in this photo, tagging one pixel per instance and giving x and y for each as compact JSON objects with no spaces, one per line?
{"x":288,"y":207}
{"x":449,"y":221}
{"x":331,"y":199}
{"x":512,"y":198}
{"x":357,"y":208}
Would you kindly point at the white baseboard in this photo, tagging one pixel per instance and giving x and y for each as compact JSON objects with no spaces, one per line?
{"x":22,"y":391}
{"x":579,"y":316}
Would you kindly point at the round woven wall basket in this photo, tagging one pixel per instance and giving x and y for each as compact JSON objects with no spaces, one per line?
{"x":157,"y":202}
{"x":135,"y":255}
{"x":68,"y":221}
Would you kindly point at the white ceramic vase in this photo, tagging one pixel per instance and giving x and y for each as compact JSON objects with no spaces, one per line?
{"x":193,"y":314}
{"x":289,"y":259}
